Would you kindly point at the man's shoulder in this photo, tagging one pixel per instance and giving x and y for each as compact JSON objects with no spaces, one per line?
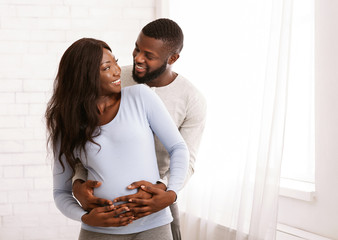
{"x":127,"y":68}
{"x":187,"y":87}
{"x":182,"y":81}
{"x":127,"y":76}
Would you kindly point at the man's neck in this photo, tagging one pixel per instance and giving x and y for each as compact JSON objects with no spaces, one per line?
{"x":165,"y":79}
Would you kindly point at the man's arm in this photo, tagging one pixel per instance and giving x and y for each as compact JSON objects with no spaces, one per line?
{"x":192,"y":130}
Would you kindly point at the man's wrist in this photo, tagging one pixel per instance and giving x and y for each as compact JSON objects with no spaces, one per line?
{"x":172,"y":196}
{"x":78,"y":181}
{"x":83,"y":218}
{"x":76,"y":184}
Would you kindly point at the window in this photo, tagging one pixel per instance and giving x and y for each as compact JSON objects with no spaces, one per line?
{"x":298,"y":156}
{"x":224,"y":56}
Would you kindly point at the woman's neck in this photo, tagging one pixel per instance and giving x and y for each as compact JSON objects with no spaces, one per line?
{"x":108,"y":107}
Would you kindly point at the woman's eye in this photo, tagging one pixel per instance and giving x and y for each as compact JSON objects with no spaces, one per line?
{"x":106,"y":68}
{"x":116,"y":60}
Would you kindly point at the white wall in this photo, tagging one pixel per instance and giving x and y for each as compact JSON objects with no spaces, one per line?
{"x":321,"y":216}
{"x":33,"y":36}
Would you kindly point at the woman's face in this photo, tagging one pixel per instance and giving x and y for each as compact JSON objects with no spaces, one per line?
{"x":109,"y":74}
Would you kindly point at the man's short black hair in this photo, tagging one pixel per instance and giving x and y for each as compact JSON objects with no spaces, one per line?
{"x":166,"y":30}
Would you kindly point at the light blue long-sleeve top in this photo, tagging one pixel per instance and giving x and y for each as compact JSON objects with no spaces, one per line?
{"x":127,"y":154}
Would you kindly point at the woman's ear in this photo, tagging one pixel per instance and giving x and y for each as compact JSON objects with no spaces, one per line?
{"x":173,"y":58}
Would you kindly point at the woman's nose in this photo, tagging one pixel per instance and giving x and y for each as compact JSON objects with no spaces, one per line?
{"x":117,"y":70}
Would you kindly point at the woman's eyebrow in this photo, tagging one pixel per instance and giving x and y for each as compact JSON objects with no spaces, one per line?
{"x":105,"y":62}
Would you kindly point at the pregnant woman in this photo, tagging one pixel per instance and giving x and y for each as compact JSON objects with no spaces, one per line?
{"x":90,"y":119}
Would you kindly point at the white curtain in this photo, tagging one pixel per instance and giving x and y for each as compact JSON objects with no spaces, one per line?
{"x":237,"y":54}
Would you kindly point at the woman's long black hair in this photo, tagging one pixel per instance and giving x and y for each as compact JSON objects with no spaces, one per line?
{"x":71,"y":114}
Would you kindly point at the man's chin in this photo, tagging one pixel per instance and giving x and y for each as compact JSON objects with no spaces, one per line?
{"x":139,"y":79}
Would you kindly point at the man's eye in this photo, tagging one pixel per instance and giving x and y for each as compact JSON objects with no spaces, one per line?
{"x":116,"y":60}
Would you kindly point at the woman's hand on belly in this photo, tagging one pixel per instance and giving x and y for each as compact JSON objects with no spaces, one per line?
{"x":108,"y":216}
{"x":149,"y":199}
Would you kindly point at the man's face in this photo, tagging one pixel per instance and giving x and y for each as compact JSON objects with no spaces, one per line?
{"x":150,"y":59}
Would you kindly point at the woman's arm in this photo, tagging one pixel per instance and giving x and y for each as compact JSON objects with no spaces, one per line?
{"x":165,"y":129}
{"x":62,"y":191}
{"x":101,"y":216}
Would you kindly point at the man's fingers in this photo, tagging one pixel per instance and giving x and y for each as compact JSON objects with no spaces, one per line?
{"x":122,"y":221}
{"x":91,"y":206}
{"x":135,"y":185}
{"x":111,"y":210}
{"x":103,"y":202}
{"x":121,"y":210}
{"x":124,"y":198}
{"x":139,"y":201}
{"x":138,"y":184}
{"x":151,"y":190}
{"x":142,"y":214}
{"x":139,"y":210}
{"x":127,"y":214}
{"x":92,"y":184}
{"x":128,"y":204}
{"x":104,"y":209}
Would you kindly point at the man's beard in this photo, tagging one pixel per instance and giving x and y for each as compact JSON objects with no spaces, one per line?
{"x":149,"y":76}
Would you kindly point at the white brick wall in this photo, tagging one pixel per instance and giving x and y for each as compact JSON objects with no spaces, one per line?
{"x":33,"y":36}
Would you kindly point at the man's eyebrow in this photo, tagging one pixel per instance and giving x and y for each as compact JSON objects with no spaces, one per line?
{"x":149,"y":52}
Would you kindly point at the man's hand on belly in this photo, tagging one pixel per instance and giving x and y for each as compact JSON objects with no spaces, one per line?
{"x":149,"y":199}
{"x":83,"y":192}
{"x":108,"y":216}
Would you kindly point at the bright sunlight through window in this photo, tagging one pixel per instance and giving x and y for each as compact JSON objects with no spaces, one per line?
{"x":225,"y":55}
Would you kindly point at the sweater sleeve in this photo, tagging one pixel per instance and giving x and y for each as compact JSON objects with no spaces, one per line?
{"x":192,"y":128}
{"x":165,"y":129}
{"x":62,"y":191}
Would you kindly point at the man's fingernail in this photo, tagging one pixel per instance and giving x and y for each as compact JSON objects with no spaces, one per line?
{"x":142,"y":186}
{"x":127,"y":209}
{"x":130,"y":200}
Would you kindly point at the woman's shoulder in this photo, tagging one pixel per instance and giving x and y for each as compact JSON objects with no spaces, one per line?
{"x":137,"y":89}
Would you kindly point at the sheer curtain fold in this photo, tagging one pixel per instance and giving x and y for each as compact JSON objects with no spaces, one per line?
{"x":234,"y":191}
{"x":263,"y":219}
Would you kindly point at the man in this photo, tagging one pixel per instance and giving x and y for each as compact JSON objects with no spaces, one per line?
{"x":156,"y":49}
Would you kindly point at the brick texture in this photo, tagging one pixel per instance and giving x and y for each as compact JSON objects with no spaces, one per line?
{"x":33,"y":36}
